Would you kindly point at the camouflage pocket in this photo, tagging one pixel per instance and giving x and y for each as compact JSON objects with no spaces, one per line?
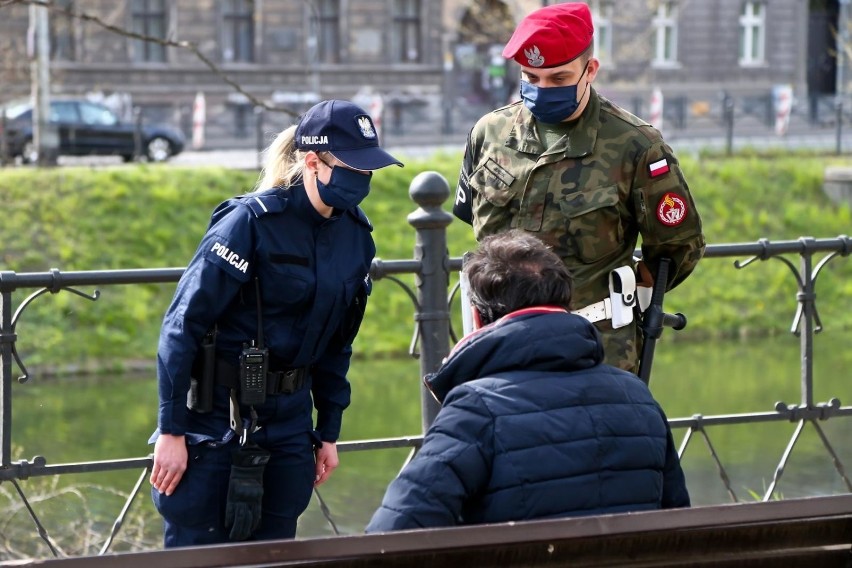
{"x":494,"y":183}
{"x":594,"y":222}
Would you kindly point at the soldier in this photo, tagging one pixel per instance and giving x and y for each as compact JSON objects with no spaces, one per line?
{"x":583,"y":175}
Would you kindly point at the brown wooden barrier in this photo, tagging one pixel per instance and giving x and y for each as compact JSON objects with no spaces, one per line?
{"x":812,"y":532}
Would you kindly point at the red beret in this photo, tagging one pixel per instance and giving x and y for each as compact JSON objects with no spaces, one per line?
{"x":551,"y":36}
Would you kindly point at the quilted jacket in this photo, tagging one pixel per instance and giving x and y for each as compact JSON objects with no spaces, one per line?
{"x":533,"y":426}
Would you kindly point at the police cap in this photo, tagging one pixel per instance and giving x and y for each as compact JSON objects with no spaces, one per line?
{"x":551,"y":36}
{"x":345,"y":130}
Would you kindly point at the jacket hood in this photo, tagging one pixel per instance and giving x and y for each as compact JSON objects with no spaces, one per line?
{"x":543,"y":338}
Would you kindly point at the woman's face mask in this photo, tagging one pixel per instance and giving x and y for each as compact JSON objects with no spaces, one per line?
{"x":552,"y":105}
{"x":345,"y":188}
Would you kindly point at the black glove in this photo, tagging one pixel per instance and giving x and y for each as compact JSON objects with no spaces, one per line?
{"x":245,"y":491}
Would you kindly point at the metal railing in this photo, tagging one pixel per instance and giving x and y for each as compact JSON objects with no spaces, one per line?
{"x":432,"y":301}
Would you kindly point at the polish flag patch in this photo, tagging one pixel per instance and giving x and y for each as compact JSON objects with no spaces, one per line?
{"x":671,"y":210}
{"x":659,"y":168}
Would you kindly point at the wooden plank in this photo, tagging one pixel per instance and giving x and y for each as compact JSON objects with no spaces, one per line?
{"x":815,"y":531}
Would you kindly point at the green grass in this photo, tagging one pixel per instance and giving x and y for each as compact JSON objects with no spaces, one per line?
{"x":153,"y":216}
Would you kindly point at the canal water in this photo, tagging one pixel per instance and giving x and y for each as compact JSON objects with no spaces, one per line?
{"x":98,"y":418}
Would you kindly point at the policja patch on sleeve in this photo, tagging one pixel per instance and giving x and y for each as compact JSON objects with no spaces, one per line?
{"x":231,"y":261}
{"x":229,"y":244}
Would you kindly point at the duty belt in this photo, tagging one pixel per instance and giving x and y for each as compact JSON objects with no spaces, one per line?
{"x":621,"y":302}
{"x":286,"y":381}
{"x":598,"y":311}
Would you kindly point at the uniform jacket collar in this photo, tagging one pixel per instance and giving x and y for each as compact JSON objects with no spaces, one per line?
{"x":543,"y":338}
{"x":524,"y":137}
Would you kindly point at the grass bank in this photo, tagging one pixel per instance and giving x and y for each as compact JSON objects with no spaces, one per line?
{"x":140,"y":216}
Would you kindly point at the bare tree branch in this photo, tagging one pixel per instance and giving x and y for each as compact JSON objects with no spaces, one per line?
{"x":187,"y":45}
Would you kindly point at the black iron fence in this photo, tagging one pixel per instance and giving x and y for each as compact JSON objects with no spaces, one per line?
{"x":432,"y":301}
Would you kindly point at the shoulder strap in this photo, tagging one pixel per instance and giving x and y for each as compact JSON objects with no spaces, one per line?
{"x":264,"y":203}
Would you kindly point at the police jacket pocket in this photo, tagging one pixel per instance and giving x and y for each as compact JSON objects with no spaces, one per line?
{"x":594,"y":222}
{"x":289,"y":283}
{"x":494,"y":183}
{"x":356,"y":297}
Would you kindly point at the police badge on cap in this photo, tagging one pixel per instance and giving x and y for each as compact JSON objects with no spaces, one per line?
{"x":551,"y":36}
{"x":345,"y":130}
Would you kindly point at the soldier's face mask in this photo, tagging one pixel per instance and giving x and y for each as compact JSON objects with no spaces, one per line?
{"x":345,"y":188}
{"x":552,"y":105}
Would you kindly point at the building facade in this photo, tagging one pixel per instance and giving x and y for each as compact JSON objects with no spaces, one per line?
{"x":283,"y":53}
{"x":435,"y":64}
{"x":698,"y":53}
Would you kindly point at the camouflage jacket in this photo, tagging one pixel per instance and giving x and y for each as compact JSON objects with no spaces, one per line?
{"x":589,"y":196}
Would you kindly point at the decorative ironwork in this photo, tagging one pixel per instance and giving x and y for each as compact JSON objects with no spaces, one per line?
{"x":432,"y":305}
{"x":54,"y":289}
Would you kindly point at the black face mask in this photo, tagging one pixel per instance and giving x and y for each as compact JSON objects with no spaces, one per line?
{"x":345,"y":188}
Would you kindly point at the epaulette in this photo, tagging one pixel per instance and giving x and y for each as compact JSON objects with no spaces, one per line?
{"x":617,"y":111}
{"x":508,"y":106}
{"x":361,"y":217}
{"x":264,"y":203}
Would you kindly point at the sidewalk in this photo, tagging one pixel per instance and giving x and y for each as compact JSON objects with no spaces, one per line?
{"x":250,"y":159}
{"x":682,"y":145}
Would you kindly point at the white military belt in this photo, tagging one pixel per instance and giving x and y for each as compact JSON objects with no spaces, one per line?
{"x":598,"y":311}
{"x":622,"y":299}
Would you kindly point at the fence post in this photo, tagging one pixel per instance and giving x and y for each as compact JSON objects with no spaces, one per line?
{"x":7,"y":338}
{"x":430,"y":190}
{"x":728,"y":110}
{"x":137,"y":133}
{"x":838,"y":141}
{"x":805,"y":331}
{"x":4,"y":144}
{"x":259,"y":116}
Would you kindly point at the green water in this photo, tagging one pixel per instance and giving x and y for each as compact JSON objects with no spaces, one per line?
{"x":88,"y":419}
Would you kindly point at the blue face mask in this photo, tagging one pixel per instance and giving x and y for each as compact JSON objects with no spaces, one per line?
{"x":345,"y":188}
{"x":551,"y":104}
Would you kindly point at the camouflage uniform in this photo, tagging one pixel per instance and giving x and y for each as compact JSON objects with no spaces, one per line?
{"x":589,"y":197}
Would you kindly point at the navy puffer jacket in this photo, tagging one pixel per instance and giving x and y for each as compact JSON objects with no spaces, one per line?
{"x":533,"y":425}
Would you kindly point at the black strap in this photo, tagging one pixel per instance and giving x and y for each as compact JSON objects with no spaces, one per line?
{"x":285,"y":381}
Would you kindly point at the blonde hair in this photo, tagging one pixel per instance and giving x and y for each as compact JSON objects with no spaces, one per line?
{"x":283,"y":163}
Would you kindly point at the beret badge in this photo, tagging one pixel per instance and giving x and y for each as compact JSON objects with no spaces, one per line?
{"x":534,"y":56}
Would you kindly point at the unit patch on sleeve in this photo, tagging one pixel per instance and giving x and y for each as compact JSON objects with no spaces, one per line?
{"x":671,"y":210}
{"x":658,"y":168}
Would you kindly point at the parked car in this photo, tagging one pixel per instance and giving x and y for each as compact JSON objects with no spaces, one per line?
{"x":88,"y":128}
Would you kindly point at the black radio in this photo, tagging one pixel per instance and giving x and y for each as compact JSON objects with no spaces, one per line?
{"x":254,"y":363}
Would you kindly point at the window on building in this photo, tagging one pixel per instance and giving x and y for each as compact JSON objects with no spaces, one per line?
{"x":62,"y":31}
{"x":405,"y":46}
{"x":148,"y":18}
{"x":602,"y":11}
{"x":243,"y":116}
{"x":326,"y":25}
{"x":665,"y":34}
{"x":238,"y":31}
{"x":752,"y":33}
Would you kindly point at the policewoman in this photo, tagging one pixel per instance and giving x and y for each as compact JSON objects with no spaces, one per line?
{"x":583,"y":175}
{"x":259,"y":334}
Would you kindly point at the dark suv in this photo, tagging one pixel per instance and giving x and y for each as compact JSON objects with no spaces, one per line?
{"x":87,"y":128}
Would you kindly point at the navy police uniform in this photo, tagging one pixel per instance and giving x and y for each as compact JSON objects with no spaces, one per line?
{"x":312,"y":274}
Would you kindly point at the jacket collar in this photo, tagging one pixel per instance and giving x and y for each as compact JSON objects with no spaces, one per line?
{"x":524,"y":137}
{"x":538,"y":339}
